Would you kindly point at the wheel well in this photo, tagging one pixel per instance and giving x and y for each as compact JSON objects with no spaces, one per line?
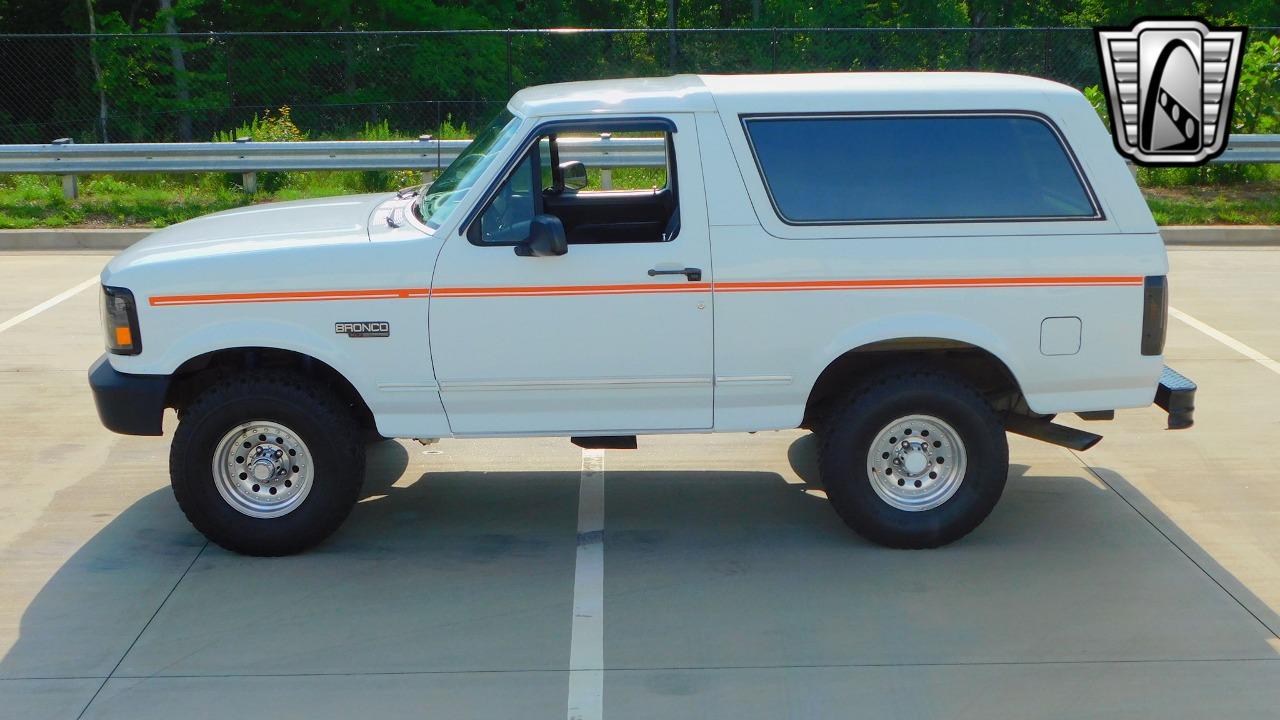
{"x":196,"y":374}
{"x":977,"y":366}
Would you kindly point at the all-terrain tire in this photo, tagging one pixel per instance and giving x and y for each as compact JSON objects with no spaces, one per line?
{"x":859,"y":478}
{"x":333,"y":443}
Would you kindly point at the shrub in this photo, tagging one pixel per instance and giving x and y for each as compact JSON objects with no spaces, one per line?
{"x":383,"y":180}
{"x":449,"y":131}
{"x":269,"y":128}
{"x":1258,"y":98}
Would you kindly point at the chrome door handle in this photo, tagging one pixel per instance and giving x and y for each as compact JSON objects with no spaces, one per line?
{"x":693,"y":274}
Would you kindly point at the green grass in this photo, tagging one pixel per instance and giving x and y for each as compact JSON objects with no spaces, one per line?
{"x":1213,"y":194}
{"x":1253,"y":204}
{"x":36,"y":201}
{"x":629,"y":179}
{"x":30,"y":201}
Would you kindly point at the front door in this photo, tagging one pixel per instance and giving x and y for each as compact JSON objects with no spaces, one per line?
{"x":613,"y":336}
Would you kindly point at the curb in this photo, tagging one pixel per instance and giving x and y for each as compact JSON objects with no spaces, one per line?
{"x":119,"y":239}
{"x":1220,"y":235}
{"x":71,"y":239}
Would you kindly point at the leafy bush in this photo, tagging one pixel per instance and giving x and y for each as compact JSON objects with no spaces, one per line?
{"x":1258,"y":99}
{"x":449,"y":131}
{"x":1098,"y":100}
{"x":383,"y":180}
{"x":269,"y":128}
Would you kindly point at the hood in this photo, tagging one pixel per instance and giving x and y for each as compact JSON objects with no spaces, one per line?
{"x":300,"y":223}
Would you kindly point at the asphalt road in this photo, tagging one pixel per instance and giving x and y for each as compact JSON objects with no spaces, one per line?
{"x":1140,"y":579}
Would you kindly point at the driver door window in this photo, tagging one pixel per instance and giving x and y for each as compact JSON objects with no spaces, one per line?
{"x":639,"y":206}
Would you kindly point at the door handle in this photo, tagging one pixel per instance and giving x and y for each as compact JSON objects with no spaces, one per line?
{"x":693,"y":274}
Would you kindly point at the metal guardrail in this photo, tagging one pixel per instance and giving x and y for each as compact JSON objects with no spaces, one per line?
{"x":1251,"y":149}
{"x":426,"y":154}
{"x":244,"y":156}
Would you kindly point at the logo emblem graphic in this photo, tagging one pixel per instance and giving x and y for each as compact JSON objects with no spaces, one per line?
{"x":1170,"y":84}
{"x":367,"y":329}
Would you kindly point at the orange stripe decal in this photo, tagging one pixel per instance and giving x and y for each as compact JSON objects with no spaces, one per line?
{"x":916,"y":283}
{"x":557,"y":290}
{"x":295,"y":296}
{"x":648,"y":288}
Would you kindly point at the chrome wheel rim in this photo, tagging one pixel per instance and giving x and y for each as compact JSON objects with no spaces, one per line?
{"x":916,"y":463}
{"x":262,"y":469}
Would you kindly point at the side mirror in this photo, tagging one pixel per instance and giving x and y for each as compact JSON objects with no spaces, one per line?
{"x":574,"y":174}
{"x":546,"y":238}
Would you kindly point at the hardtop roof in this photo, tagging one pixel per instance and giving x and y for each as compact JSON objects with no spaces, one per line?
{"x":782,"y":92}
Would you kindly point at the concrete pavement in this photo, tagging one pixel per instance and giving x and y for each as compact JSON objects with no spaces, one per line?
{"x":1139,"y":579}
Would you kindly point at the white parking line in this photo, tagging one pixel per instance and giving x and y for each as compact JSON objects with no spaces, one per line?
{"x":47,"y":304}
{"x":1227,"y":340}
{"x":586,"y":646}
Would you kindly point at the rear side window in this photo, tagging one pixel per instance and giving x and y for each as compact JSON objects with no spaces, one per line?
{"x":917,"y":168}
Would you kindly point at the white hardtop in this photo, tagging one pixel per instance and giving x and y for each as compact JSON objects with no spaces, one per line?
{"x":800,"y":92}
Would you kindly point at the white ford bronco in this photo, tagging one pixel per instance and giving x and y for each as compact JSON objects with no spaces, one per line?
{"x":910,"y":264}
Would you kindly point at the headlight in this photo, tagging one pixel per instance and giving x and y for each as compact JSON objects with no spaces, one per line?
{"x":120,"y":321}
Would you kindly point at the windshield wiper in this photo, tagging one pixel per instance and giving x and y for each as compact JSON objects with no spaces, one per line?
{"x":409,"y":192}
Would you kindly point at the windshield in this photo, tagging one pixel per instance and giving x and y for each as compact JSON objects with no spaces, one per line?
{"x":442,"y":198}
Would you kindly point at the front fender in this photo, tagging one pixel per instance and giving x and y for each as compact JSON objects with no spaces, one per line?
{"x":392,"y":373}
{"x":178,"y":346}
{"x":234,"y":333}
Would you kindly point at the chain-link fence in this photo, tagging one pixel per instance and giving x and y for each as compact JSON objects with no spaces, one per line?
{"x":157,"y":87}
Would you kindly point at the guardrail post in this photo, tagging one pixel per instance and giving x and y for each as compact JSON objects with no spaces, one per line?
{"x":606,"y":173}
{"x":428,"y":176}
{"x":70,"y":183}
{"x":249,"y":180}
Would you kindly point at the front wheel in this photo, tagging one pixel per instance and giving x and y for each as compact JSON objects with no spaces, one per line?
{"x":914,"y":460}
{"x":266,"y":463}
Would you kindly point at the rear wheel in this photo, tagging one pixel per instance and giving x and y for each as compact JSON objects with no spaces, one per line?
{"x":914,"y":460}
{"x":266,"y":463}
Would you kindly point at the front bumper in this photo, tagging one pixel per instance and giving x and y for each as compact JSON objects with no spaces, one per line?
{"x":1177,"y":395}
{"x":128,"y":404}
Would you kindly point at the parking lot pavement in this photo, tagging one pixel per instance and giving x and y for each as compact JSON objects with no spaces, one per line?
{"x":29,"y":279}
{"x":1211,"y":489}
{"x":1231,"y":290}
{"x":1139,"y":579}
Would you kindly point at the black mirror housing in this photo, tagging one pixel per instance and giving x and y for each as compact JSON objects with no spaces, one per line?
{"x":573,"y":174}
{"x":546,"y":238}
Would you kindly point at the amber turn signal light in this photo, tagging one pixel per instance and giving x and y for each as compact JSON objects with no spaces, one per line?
{"x":120,"y":321}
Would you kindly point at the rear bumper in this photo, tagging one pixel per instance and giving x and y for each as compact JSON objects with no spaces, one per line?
{"x":1177,"y":395}
{"x":128,"y":404}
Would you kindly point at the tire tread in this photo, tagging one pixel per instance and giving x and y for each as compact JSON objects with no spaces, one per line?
{"x":868,"y":392}
{"x":316,"y":401}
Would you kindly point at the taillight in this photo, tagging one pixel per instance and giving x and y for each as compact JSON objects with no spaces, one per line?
{"x":1155,"y":313}
{"x":120,"y":321}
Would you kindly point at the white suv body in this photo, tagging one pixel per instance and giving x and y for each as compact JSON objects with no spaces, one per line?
{"x":813,"y":233}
